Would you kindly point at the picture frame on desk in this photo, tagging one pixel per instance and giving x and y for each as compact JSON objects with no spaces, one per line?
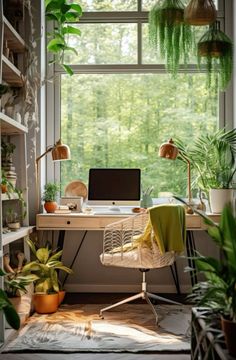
{"x":74,"y":203}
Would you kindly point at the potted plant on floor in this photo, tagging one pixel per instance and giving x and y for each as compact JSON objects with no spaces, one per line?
{"x":9,"y":311}
{"x":218,"y":291}
{"x":46,"y":267}
{"x":213,"y":160}
{"x":50,"y":193}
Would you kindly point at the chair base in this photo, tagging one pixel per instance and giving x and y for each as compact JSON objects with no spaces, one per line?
{"x":145,"y":295}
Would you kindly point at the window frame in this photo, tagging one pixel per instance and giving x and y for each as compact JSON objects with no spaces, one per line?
{"x":53,"y":120}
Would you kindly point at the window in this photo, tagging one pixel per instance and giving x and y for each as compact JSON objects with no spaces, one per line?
{"x":120,"y":104}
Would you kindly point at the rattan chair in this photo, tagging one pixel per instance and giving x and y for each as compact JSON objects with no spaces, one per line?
{"x":120,"y":249}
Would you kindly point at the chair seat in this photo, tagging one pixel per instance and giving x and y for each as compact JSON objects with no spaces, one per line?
{"x":140,"y":258}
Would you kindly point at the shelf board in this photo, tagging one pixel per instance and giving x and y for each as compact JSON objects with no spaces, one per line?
{"x":14,"y":40}
{"x":12,"y":196}
{"x":15,"y":235}
{"x":11,"y":74}
{"x":11,"y":126}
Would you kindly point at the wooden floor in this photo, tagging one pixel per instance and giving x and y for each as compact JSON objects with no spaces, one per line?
{"x":99,"y":299}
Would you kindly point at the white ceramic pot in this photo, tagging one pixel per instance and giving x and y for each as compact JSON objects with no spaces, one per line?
{"x":219,"y":198}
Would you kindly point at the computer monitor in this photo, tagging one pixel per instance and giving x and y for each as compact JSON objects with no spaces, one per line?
{"x":114,"y":187}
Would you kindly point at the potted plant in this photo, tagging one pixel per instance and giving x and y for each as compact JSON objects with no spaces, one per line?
{"x":9,"y":311}
{"x":12,"y":220}
{"x":169,"y":34}
{"x":213,"y":160}
{"x":62,"y":13}
{"x":46,"y":267}
{"x":218,"y":291}
{"x":49,"y":196}
{"x":215,"y":50}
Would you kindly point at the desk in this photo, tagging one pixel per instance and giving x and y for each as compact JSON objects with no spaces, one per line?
{"x":80,"y":221}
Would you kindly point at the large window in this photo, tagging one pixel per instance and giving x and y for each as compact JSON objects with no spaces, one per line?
{"x":120,"y":104}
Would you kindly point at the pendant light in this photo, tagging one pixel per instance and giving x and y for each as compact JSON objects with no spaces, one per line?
{"x":200,"y":12}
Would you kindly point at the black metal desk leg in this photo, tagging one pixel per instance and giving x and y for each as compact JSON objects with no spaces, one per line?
{"x":174,"y":272}
{"x":61,"y":238}
{"x":191,"y":249}
{"x":76,"y":254}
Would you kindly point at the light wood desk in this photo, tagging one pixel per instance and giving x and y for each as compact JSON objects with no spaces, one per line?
{"x":80,"y":221}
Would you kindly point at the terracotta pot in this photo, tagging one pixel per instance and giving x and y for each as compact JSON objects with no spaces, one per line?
{"x":50,"y":206}
{"x":4,"y":188}
{"x":45,"y":303}
{"x":61,"y":296}
{"x":229,"y":329}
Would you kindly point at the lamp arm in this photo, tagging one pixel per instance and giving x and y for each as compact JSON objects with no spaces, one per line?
{"x":189,"y":176}
{"x":47,"y":151}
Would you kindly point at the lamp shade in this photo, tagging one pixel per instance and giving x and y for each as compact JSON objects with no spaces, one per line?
{"x":168,"y":150}
{"x":60,"y":151}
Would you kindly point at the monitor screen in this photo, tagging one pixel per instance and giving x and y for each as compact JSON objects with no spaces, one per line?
{"x":114,"y":186}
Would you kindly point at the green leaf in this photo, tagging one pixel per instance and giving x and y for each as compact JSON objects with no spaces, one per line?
{"x":71,"y":30}
{"x":64,"y":268}
{"x":68,"y":69}
{"x":2,"y":273}
{"x":56,"y":256}
{"x":32,"y":246}
{"x":77,"y":8}
{"x":43,"y":255}
{"x":32,"y":266}
{"x":12,"y":317}
{"x":54,"y":279}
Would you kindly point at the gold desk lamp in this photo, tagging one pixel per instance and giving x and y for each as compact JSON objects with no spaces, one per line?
{"x":170,"y":151}
{"x":59,"y":152}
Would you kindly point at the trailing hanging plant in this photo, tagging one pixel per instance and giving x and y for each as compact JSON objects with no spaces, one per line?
{"x":62,"y":13}
{"x":168,"y":33}
{"x":215,"y":50}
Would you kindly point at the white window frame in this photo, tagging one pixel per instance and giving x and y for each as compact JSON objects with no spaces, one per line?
{"x":53,"y":121}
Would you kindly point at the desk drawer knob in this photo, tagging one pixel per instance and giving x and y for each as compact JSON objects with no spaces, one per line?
{"x":68,"y":222}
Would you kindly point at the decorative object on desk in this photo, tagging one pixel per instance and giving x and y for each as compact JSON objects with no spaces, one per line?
{"x":50,"y":193}
{"x":62,"y":209}
{"x":9,"y":311}
{"x":215,"y":49}
{"x":168,"y":33}
{"x":146,"y":200}
{"x":200,"y":12}
{"x":218,"y":291}
{"x":78,"y":329}
{"x":46,"y":267}
{"x":74,"y":203}
{"x":213,"y":159}
{"x":76,"y":188}
{"x":60,"y":152}
{"x":170,"y":151}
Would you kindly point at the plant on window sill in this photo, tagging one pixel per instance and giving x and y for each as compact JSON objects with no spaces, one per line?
{"x":62,"y":13}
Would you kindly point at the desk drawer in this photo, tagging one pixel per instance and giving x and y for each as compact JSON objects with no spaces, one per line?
{"x":59,"y":222}
{"x":193,"y":222}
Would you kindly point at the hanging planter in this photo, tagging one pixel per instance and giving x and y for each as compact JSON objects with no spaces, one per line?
{"x":168,"y":33}
{"x":200,"y":12}
{"x":215,"y":49}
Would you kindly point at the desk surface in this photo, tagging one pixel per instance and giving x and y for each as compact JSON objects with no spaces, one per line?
{"x":80,"y":221}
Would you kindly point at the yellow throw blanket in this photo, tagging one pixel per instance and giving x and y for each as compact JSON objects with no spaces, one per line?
{"x":166,"y":226}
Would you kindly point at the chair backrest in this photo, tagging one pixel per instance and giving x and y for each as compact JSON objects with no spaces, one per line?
{"x":121,"y":245}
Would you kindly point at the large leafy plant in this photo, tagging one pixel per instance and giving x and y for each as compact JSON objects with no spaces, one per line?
{"x":218,"y":291}
{"x":45,"y":267}
{"x":213,"y":159}
{"x":62,"y":13}
{"x":8,"y":309}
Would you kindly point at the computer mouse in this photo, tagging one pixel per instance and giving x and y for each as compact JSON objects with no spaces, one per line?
{"x":114,"y":208}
